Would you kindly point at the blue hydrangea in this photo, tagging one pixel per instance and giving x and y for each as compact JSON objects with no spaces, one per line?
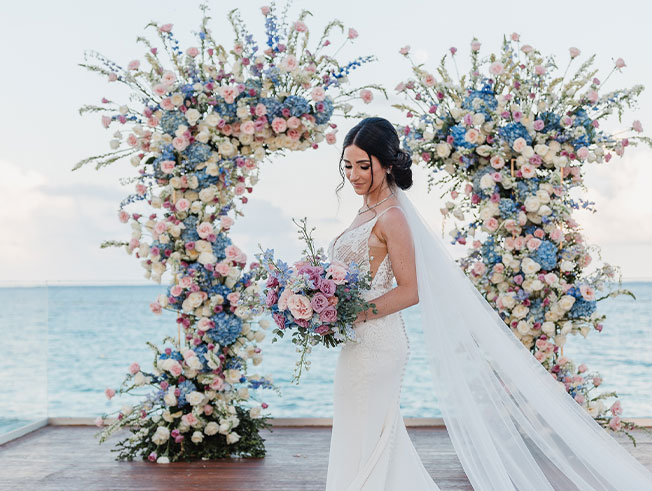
{"x":227,"y":328}
{"x":273,"y":74}
{"x":196,"y":153}
{"x":546,"y":255}
{"x":220,"y":245}
{"x":171,"y":120}
{"x":186,"y":387}
{"x":189,"y":233}
{"x":551,"y":121}
{"x":220,"y":289}
{"x":458,"y":133}
{"x":235,"y":363}
{"x":581,"y":309}
{"x":489,"y":254}
{"x":201,"y":351}
{"x":507,"y":208}
{"x":227,"y":111}
{"x":512,"y":131}
{"x":537,"y":311}
{"x":526,"y":187}
{"x":175,"y":355}
{"x":476,"y":181}
{"x":273,"y":107}
{"x":204,"y":179}
{"x":323,"y":117}
{"x":481,"y":101}
{"x":297,"y":105}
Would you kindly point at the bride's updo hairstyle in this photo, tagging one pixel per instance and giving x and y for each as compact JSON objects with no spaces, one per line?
{"x":378,"y":137}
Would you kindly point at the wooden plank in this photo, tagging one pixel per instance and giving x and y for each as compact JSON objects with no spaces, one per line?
{"x":69,"y":457}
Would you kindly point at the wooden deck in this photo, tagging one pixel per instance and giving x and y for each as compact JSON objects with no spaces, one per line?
{"x":69,"y":458}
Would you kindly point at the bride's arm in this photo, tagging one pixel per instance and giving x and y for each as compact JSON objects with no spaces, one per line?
{"x":394,"y":230}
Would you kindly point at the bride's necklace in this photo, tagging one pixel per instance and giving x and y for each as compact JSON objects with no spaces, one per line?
{"x":374,"y":206}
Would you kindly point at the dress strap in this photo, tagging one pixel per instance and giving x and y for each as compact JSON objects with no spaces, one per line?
{"x":383,"y":212}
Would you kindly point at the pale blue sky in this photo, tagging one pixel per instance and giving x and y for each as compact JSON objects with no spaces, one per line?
{"x":53,"y":220}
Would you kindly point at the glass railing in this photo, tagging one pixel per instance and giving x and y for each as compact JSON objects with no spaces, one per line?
{"x":64,"y":344}
{"x":23,"y":363}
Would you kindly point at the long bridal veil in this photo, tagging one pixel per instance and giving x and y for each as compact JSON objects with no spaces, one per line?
{"x":512,"y":425}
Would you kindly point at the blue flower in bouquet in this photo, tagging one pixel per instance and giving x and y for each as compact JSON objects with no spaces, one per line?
{"x":175,"y":355}
{"x":201,"y":351}
{"x":526,"y":187}
{"x":273,"y":106}
{"x":220,"y":245}
{"x":582,"y":308}
{"x":324,"y":111}
{"x":220,"y":289}
{"x":227,"y":328}
{"x":186,"y":387}
{"x":189,"y":233}
{"x":476,"y":181}
{"x":458,"y":132}
{"x":260,"y":384}
{"x":537,"y":311}
{"x":551,"y":121}
{"x":489,"y":254}
{"x":273,"y":74}
{"x":235,"y":363}
{"x":507,"y":208}
{"x":513,"y":131}
{"x":226,"y":110}
{"x":546,"y":255}
{"x":204,"y":179}
{"x":297,"y":105}
{"x":171,"y":120}
{"x":196,"y":153}
{"x":481,"y":101}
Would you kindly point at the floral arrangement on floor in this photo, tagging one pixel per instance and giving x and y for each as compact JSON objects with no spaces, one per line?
{"x":315,"y":301}
{"x":197,"y":127}
{"x":509,"y":141}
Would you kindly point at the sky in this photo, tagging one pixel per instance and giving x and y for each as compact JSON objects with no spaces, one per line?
{"x":53,"y":220}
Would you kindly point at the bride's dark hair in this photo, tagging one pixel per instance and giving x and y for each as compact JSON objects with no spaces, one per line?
{"x":378,"y":137}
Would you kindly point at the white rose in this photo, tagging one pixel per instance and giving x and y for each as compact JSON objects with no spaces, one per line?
{"x":508,"y":301}
{"x":567,"y":265}
{"x":560,"y":340}
{"x":443,"y":150}
{"x":541,"y":149}
{"x":163,"y":460}
{"x":478,"y":119}
{"x":192,"y":115}
{"x":544,"y":211}
{"x":523,"y":328}
{"x":530,"y":266}
{"x":483,"y":150}
{"x":528,"y":152}
{"x":548,"y":328}
{"x":227,"y":149}
{"x":566,"y":302}
{"x":255,"y":412}
{"x":520,"y":311}
{"x":232,"y":376}
{"x":567,"y":327}
{"x":211,"y":428}
{"x":195,"y":398}
{"x":487,"y":182}
{"x":519,"y":144}
{"x":169,"y":398}
{"x":161,"y":435}
{"x":194,"y":363}
{"x":543,"y":196}
{"x":140,"y":379}
{"x":243,"y":393}
{"x":532,"y":203}
{"x":197,"y":437}
{"x":232,"y":437}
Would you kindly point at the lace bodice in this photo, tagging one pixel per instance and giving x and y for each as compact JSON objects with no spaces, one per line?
{"x":353,"y":246}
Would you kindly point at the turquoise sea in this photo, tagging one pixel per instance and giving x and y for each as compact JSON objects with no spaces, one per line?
{"x":63,"y":345}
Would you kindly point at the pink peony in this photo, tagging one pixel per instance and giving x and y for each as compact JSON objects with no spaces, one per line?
{"x":205,"y":229}
{"x":615,"y":423}
{"x":133,"y":65}
{"x":337,"y":272}
{"x":182,"y":204}
{"x":299,"y":306}
{"x":175,"y":368}
{"x":190,"y":419}
{"x":327,"y":287}
{"x":526,"y":48}
{"x":323,"y":330}
{"x":588,"y":293}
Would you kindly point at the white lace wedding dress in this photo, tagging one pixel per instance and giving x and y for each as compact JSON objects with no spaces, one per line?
{"x":370,"y":447}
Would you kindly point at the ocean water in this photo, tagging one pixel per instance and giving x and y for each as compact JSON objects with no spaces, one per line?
{"x":63,"y":345}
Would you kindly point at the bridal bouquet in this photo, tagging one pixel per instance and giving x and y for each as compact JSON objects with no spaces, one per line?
{"x":314,"y":300}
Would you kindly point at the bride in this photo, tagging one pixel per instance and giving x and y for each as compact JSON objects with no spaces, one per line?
{"x":512,"y":425}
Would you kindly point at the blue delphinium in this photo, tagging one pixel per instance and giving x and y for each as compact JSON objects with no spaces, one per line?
{"x":171,"y":120}
{"x":227,"y":328}
{"x":512,"y":131}
{"x":546,"y":255}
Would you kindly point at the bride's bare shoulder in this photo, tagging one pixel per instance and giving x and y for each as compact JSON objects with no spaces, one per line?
{"x":393,"y":222}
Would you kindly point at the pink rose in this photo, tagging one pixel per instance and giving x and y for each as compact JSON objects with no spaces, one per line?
{"x":496,"y":68}
{"x":134,"y":368}
{"x":299,"y":306}
{"x":222,"y":268}
{"x":318,"y":94}
{"x":217,"y":384}
{"x":404,"y":50}
{"x":574,"y":52}
{"x":113,"y":77}
{"x":331,"y":139}
{"x":168,"y":78}
{"x":300,"y":26}
{"x":279,"y":125}
{"x":133,"y":65}
{"x":588,"y":293}
{"x":155,"y":307}
{"x":327,"y":287}
{"x":615,"y":423}
{"x":491,"y":224}
{"x":283,"y":299}
{"x":515,"y":36}
{"x":538,"y":125}
{"x":190,"y":419}
{"x":323,"y":330}
{"x":233,"y":297}
{"x":620,"y":63}
{"x":175,"y":368}
{"x":226,"y":221}
{"x":205,"y":324}
{"x":293,"y":122}
{"x":176,"y":290}
{"x":616,"y":408}
{"x":475,"y":45}
{"x":182,"y":204}
{"x":167,"y":166}
{"x":271,"y":298}
{"x":123,"y":216}
{"x":582,"y":368}
{"x":205,"y":229}
{"x":533,"y":243}
{"x":328,"y":315}
{"x":232,"y":252}
{"x":265,"y":10}
{"x":539,"y":69}
{"x":280,"y":320}
{"x":192,"y":52}
{"x":337,"y":271}
{"x":109,"y":393}
{"x":319,"y":302}
{"x":180,"y":143}
{"x":352,"y":34}
{"x":366,"y":95}
{"x":580,"y":398}
{"x":166,"y":28}
{"x":479,"y":268}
